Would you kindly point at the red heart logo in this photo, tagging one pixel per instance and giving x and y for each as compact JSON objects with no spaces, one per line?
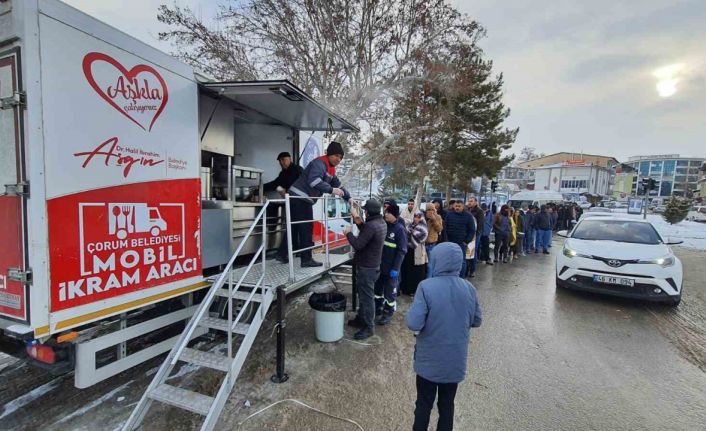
{"x":144,"y":102}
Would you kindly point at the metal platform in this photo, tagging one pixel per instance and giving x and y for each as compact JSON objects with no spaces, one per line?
{"x":278,"y":273}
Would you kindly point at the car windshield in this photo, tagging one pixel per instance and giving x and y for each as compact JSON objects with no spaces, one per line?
{"x":601,"y":229}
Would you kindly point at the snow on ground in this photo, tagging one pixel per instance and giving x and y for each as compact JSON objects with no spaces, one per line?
{"x":692,"y":233}
{"x":94,"y":403}
{"x":27,"y":398}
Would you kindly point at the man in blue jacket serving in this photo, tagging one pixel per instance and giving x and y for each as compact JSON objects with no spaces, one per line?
{"x":319,"y":177}
{"x":445,"y":309}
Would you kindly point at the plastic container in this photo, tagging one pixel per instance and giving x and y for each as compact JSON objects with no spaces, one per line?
{"x":329,"y":315}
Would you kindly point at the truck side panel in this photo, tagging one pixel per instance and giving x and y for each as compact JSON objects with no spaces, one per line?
{"x":122,"y":171}
{"x":13,"y":292}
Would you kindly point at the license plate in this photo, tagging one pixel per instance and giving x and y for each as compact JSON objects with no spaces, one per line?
{"x":620,"y":281}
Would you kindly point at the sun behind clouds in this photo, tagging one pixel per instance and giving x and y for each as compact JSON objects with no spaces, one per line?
{"x":667,"y":79}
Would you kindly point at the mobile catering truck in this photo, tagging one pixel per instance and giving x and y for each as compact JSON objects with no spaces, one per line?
{"x":128,"y":181}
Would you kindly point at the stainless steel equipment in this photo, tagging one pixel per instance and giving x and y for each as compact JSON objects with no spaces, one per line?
{"x":206,"y":188}
{"x":216,"y":228}
{"x":244,"y":181}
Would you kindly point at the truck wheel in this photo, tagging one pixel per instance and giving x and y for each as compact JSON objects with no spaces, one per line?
{"x":154,"y":231}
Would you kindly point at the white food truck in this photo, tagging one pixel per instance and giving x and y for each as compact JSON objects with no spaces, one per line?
{"x":126,"y":181}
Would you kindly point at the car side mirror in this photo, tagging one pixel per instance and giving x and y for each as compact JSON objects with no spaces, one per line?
{"x":671,"y":241}
{"x":564,"y":233}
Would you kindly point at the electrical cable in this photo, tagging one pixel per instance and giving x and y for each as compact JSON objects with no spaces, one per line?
{"x":361,"y":343}
{"x":351,"y":421}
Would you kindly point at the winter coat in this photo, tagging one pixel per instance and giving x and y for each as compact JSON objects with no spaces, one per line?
{"x":285,"y":179}
{"x":479,"y":215}
{"x":501,"y":224}
{"x":434,"y":225}
{"x":442,"y":212}
{"x":395,"y":247}
{"x":513,"y":231}
{"x":543,"y":221}
{"x":407,"y":215}
{"x":519,"y":218}
{"x":529,"y":221}
{"x":460,"y":227}
{"x":318,"y":178}
{"x":417,"y":236}
{"x":488,"y":223}
{"x":369,"y":242}
{"x":445,"y":308}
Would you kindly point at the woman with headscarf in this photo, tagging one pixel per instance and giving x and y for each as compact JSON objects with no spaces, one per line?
{"x":416,"y":254}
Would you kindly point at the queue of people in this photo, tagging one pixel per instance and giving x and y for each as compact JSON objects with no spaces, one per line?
{"x":401,"y":252}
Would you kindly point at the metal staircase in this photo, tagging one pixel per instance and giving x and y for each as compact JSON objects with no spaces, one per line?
{"x":259,"y":295}
{"x":255,"y":285}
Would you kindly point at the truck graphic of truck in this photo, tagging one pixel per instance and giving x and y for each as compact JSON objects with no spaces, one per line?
{"x":128,"y":218}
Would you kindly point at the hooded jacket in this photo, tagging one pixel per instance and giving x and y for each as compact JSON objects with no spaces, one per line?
{"x":319,"y":177}
{"x":445,"y":308}
{"x":395,"y":247}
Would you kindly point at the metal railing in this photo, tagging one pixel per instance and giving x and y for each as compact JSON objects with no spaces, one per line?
{"x":325,"y":219}
{"x":228,"y":274}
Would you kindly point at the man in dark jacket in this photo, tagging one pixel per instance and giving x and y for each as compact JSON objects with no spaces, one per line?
{"x":368,"y":256}
{"x":288,"y":175}
{"x":319,"y":177}
{"x":543,"y":224}
{"x":393,"y":252}
{"x":445,"y":309}
{"x":460,"y":229}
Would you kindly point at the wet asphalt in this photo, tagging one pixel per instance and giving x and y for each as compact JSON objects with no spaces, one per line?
{"x":543,"y":360}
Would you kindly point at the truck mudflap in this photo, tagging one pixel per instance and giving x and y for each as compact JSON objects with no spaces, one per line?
{"x":14,"y":277}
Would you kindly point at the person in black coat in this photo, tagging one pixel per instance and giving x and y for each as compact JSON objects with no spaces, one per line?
{"x":287,"y":176}
{"x":460,"y":229}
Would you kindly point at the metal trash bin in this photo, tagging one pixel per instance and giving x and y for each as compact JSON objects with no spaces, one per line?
{"x":329,"y":315}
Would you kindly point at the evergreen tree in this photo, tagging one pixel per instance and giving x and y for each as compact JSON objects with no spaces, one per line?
{"x":676,"y":210}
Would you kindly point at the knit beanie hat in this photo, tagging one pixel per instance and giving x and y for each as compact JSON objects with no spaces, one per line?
{"x":334,"y":148}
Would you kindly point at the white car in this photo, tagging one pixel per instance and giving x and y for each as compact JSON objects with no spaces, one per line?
{"x":620,"y":256}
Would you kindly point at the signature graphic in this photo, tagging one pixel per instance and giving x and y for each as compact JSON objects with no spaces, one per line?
{"x":109,"y":153}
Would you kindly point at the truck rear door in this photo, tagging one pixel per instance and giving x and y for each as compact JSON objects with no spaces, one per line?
{"x":13,"y":191}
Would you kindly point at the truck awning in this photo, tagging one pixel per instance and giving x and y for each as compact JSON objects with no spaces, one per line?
{"x":279,"y":102}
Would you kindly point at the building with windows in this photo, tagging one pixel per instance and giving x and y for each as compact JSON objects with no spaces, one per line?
{"x":677,"y":175}
{"x":566,"y":157}
{"x":702,"y":182}
{"x":515,"y":178}
{"x":573,"y":178}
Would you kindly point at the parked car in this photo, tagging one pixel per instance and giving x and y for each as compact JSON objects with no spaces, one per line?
{"x":620,"y":256}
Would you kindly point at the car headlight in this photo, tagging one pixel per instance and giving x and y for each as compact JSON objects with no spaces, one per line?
{"x":568,"y":252}
{"x":664,"y":261}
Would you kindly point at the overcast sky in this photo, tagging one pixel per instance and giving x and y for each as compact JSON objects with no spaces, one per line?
{"x":612,"y":77}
